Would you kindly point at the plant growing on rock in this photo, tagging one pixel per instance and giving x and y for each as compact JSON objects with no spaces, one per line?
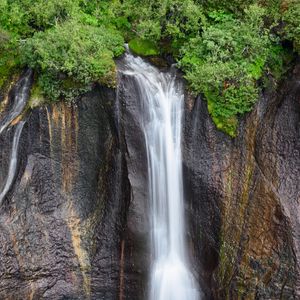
{"x":225,"y":62}
{"x":84,"y":58}
{"x":225,"y":48}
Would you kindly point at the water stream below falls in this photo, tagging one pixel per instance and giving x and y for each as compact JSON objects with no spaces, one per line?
{"x":162,"y":98}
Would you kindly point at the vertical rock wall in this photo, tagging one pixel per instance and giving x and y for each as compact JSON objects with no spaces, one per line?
{"x":137,"y":256}
{"x":75,"y":224}
{"x":243,"y":196}
{"x":61,"y":222}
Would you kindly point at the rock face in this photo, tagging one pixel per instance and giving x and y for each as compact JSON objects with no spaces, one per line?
{"x":136,"y":235}
{"x":243,"y":197}
{"x":61,"y":222}
{"x":75,"y":223}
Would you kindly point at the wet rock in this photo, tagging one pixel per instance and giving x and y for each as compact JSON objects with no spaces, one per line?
{"x":137,"y":254}
{"x":243,"y":197}
{"x":61,"y":222}
{"x":75,"y":224}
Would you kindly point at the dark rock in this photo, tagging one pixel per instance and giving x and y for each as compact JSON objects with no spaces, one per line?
{"x":136,"y":235}
{"x":75,"y":224}
{"x":61,"y":223}
{"x":243,"y":197}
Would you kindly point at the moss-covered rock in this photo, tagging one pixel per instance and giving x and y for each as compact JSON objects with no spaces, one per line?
{"x":143,"y":47}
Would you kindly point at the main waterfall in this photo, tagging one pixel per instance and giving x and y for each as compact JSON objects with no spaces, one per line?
{"x":162,"y":98}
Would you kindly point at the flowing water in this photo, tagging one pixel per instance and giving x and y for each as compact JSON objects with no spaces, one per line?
{"x":162,"y":98}
{"x":13,"y":161}
{"x":21,"y":96}
{"x":20,"y":100}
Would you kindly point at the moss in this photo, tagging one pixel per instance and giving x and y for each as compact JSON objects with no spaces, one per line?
{"x":143,"y":47}
{"x":226,"y":124}
{"x":36,"y":97}
{"x":9,"y":74}
{"x":110,"y":78}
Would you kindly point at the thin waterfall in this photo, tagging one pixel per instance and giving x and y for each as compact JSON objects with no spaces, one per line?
{"x":21,"y":96}
{"x":13,"y":161}
{"x":20,"y":100}
{"x":162,"y":97}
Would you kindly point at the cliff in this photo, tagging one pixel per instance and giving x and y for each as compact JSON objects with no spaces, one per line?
{"x":60,"y":222}
{"x":74,"y":224}
{"x":243,"y":196}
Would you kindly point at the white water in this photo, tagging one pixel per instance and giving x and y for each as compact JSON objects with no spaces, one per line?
{"x":20,"y":99}
{"x":13,"y":161}
{"x":162,"y":97}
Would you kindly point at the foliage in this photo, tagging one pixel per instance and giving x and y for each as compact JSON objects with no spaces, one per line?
{"x":60,"y":40}
{"x":238,"y":6}
{"x":227,"y":49}
{"x":9,"y":57}
{"x":27,"y":16}
{"x":225,"y":62}
{"x":85,"y":57}
{"x":36,"y":96}
{"x":80,"y":51}
{"x":172,"y":22}
{"x":291,"y":17}
{"x":229,"y":6}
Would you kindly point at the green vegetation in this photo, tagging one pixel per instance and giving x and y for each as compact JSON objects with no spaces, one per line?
{"x":83,"y":53}
{"x":9,"y":61}
{"x":225,"y":62}
{"x":68,"y":48}
{"x":167,"y":24}
{"x":291,"y":17}
{"x":143,"y":47}
{"x":36,"y":96}
{"x":227,"y":50}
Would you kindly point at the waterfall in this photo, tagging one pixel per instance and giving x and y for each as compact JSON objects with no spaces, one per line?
{"x":20,"y":100}
{"x":22,"y":91}
{"x":162,"y":98}
{"x":13,"y":161}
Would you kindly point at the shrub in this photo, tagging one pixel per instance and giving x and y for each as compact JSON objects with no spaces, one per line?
{"x":224,"y":48}
{"x":291,"y":17}
{"x":225,"y":62}
{"x":9,"y":57}
{"x":72,"y":50}
{"x":24,"y":17}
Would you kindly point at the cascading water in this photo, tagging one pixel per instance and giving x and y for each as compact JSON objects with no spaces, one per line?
{"x":23,"y":87}
{"x":13,"y":161}
{"x":20,"y":100}
{"x":162,"y":97}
